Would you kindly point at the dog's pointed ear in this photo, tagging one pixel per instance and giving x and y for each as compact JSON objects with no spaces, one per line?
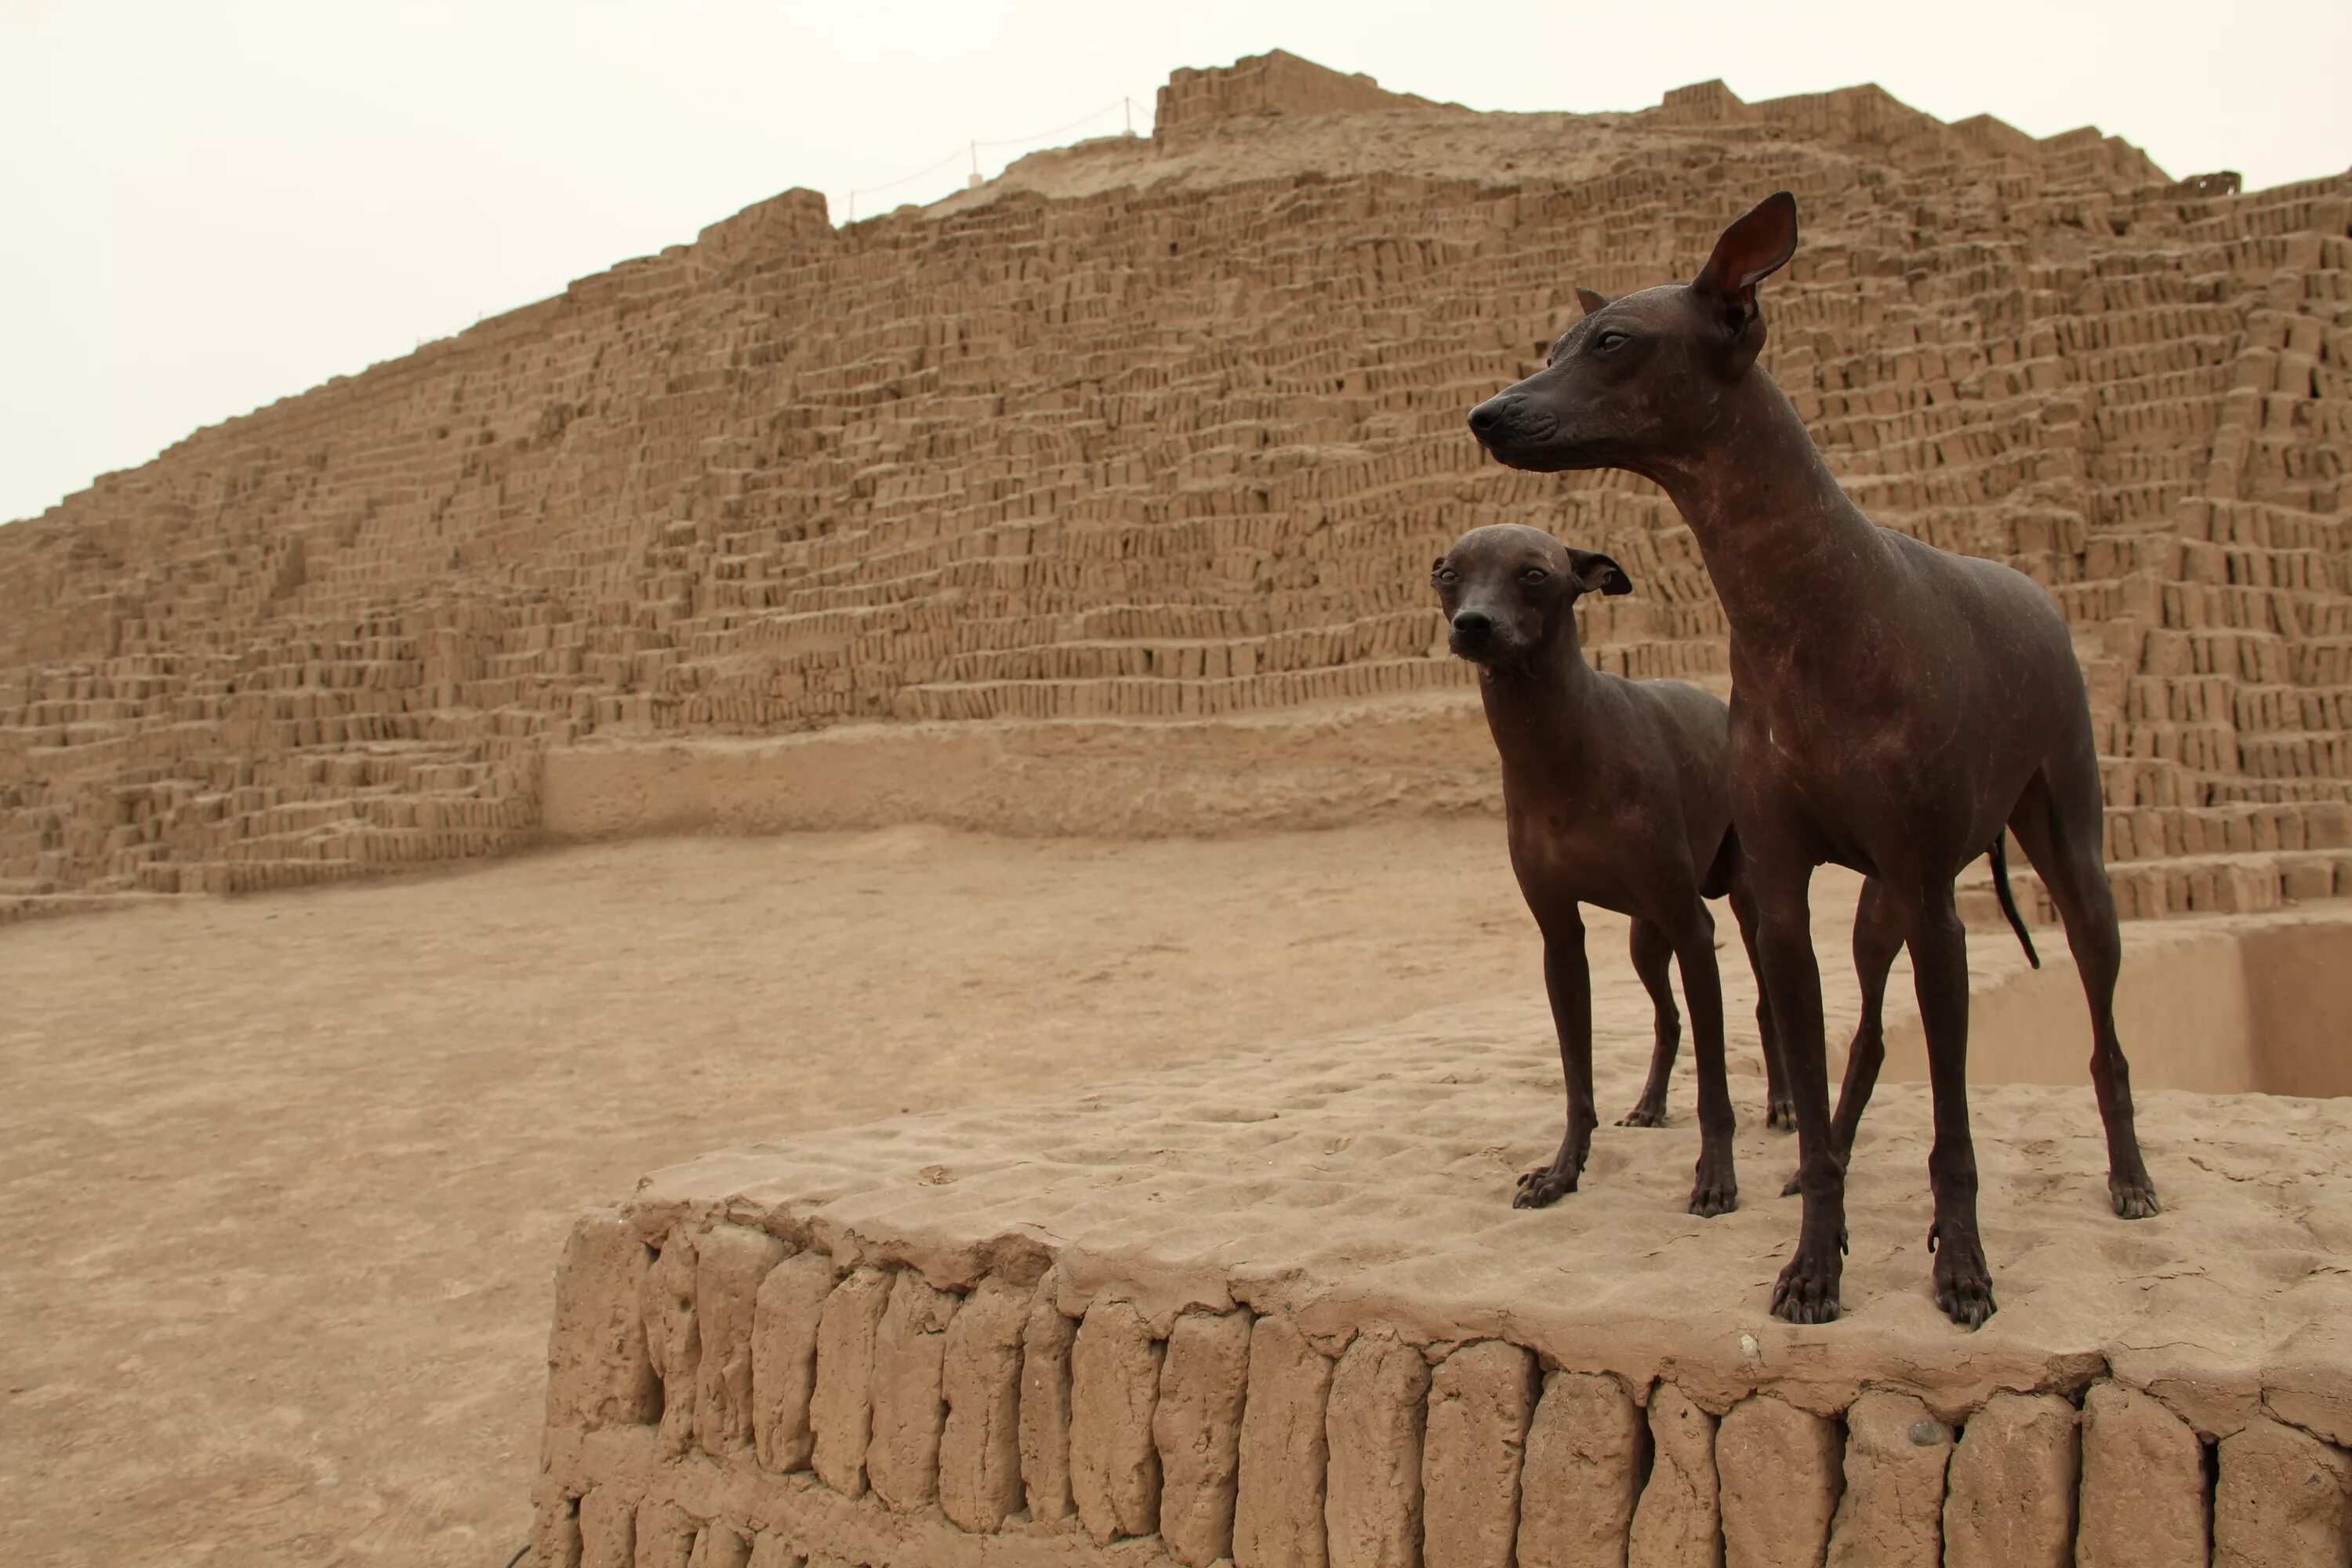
{"x":1757,"y":245}
{"x":1596,"y":574}
{"x":1591,"y":300}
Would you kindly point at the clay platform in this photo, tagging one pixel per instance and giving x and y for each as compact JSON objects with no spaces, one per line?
{"x":1278,"y":1308}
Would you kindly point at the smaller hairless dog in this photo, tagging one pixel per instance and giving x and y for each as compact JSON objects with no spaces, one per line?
{"x":1618,"y":793}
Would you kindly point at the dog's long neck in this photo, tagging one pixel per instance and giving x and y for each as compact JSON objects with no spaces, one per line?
{"x":1538,"y":710}
{"x":1778,"y":536}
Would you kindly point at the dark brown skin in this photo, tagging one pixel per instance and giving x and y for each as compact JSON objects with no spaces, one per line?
{"x":1892,"y":707}
{"x":1617,"y":795}
{"x":1878,"y":938}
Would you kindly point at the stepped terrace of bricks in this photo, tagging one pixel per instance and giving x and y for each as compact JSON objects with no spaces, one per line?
{"x":1150,"y":441}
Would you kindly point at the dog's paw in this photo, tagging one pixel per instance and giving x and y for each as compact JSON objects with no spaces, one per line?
{"x":1963,"y":1280}
{"x":1808,"y":1287}
{"x":1542,"y":1187}
{"x":1715,"y":1190}
{"x":2134,"y":1198}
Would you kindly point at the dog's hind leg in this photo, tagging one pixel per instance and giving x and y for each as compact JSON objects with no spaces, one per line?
{"x":1653,"y":957}
{"x":1878,"y":938}
{"x":1569,"y":982}
{"x":2058,"y":821}
{"x":1780,"y":1109}
{"x":1714,"y":1188}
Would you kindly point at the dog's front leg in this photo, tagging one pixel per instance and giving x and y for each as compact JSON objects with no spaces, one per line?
{"x":1569,"y":981}
{"x":1807,"y":1291}
{"x":1939,"y":964}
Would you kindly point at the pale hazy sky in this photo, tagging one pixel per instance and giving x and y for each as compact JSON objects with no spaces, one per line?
{"x":206,"y":204}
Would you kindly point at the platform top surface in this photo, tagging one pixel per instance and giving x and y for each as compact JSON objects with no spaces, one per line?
{"x":1367,"y":1177}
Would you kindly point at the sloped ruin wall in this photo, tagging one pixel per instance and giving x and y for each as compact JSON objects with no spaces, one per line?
{"x":1182,"y":445}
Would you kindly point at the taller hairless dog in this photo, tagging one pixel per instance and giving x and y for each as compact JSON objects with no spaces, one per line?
{"x":1892,"y":706}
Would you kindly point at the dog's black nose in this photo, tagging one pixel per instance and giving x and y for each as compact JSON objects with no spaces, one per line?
{"x":1473,"y":623}
{"x":1487,"y":415}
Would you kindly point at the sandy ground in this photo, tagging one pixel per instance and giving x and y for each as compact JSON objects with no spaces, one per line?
{"x":283,"y":1180}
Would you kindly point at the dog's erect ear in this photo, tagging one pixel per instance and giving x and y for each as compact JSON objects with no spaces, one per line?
{"x":1596,"y":574}
{"x":1756,"y":245}
{"x":1591,"y":300}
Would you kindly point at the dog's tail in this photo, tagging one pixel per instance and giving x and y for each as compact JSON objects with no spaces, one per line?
{"x":2008,"y":904}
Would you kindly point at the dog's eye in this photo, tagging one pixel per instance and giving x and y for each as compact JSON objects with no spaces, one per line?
{"x":1446,"y":574}
{"x":1607,"y":342}
{"x":1533,"y":574}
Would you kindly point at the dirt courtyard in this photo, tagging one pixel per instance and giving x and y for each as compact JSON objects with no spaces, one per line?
{"x":283,"y":1180}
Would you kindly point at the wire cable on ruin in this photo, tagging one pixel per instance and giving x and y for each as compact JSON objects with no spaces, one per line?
{"x":972,"y":150}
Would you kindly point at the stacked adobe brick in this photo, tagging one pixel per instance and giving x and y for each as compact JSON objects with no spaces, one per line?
{"x":734,"y":1401}
{"x":1185,"y":449}
{"x":1278,"y":1310}
{"x":1276,"y":82}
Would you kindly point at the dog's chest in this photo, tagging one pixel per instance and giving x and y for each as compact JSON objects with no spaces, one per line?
{"x":1606,"y":857}
{"x":1845,"y":785}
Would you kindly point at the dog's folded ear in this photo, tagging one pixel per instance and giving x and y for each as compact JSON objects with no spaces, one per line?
{"x":1591,"y":300}
{"x":1596,"y":574}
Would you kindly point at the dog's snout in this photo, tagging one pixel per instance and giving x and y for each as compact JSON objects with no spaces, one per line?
{"x":1473,"y":623}
{"x":1488,"y":416}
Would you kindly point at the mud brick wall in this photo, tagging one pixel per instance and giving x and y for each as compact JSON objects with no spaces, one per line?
{"x":1180,"y":444}
{"x":724,"y":1397}
{"x":1276,"y":82}
{"x":1279,"y":1310}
